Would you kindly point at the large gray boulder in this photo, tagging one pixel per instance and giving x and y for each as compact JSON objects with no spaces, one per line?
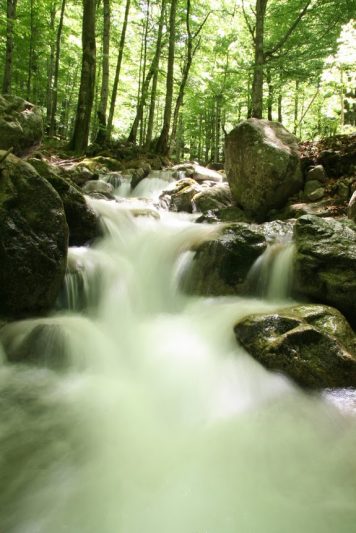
{"x":313,"y":344}
{"x":325,"y":268}
{"x":220,"y":266}
{"x":262,"y":165}
{"x":83,"y":223}
{"x":21,"y":124}
{"x":33,"y":240}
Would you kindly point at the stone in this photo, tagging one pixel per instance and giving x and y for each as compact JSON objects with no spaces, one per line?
{"x":21,"y":124}
{"x":225,"y":214}
{"x":313,"y":191}
{"x":215,"y":197}
{"x":180,"y":197}
{"x":33,"y":240}
{"x":197,"y":172}
{"x":262,"y":165}
{"x":220,"y":266}
{"x":317,"y":173}
{"x":351,"y":209}
{"x":312,"y":344}
{"x":83,"y":223}
{"x":99,"y":187}
{"x":326,"y":262}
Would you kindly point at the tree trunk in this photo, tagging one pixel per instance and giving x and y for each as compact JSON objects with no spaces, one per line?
{"x":80,"y":136}
{"x":54,"y":99}
{"x":270,"y":96}
{"x":296,"y":106}
{"x":163,"y":140}
{"x":104,"y":93}
{"x":280,"y":101}
{"x":11,"y":15}
{"x":30,"y":55}
{"x":118,"y":69}
{"x":152,"y":109}
{"x":153,"y":70}
{"x":50,"y":69}
{"x":257,"y":84}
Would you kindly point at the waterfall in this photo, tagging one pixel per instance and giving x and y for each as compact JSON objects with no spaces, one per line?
{"x":132,"y":410}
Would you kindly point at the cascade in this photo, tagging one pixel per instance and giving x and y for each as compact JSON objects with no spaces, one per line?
{"x":137,"y":412}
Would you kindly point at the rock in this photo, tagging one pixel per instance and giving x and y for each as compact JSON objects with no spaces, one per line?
{"x":313,"y":190}
{"x":44,"y":344}
{"x":197,"y":172}
{"x":99,"y":187}
{"x":180,"y":197}
{"x":109,"y":162}
{"x":262,"y":165}
{"x":313,"y":344}
{"x":81,"y":175}
{"x":215,"y":197}
{"x":21,"y":124}
{"x":137,"y":176}
{"x":220,"y":266}
{"x":342,"y":190}
{"x":317,"y":173}
{"x":326,"y":262}
{"x":225,"y":214}
{"x":339,"y":163}
{"x":33,"y":240}
{"x":351,"y":209}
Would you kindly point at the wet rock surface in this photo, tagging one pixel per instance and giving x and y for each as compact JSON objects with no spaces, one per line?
{"x":313,"y":344}
{"x":33,"y":240}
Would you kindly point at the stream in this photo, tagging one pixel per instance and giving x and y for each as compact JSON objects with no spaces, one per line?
{"x":140,"y":414}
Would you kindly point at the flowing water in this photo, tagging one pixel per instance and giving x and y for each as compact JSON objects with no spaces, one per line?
{"x":139,"y":414}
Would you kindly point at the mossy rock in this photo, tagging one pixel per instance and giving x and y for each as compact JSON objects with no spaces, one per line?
{"x":83,"y":223}
{"x":326,"y":262}
{"x":220,"y":266}
{"x":21,"y":124}
{"x":33,"y":240}
{"x":312,"y":344}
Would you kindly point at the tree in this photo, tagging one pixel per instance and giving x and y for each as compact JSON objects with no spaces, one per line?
{"x":54,"y":90}
{"x":104,"y":94}
{"x":118,"y":69}
{"x":11,"y":15}
{"x":79,"y":141}
{"x":162,"y":146}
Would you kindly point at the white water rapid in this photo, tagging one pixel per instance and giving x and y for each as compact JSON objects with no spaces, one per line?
{"x":142,"y":415}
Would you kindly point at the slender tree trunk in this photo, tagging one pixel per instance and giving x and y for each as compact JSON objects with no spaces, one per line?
{"x":257,"y":84}
{"x":30,"y":55}
{"x":144,"y":66}
{"x":280,"y":103}
{"x":342,"y":98}
{"x":151,"y":72}
{"x":270,"y":95}
{"x":80,"y":136}
{"x":52,"y":129}
{"x":296,"y":106}
{"x":163,"y":140}
{"x":118,"y":69}
{"x":50,"y":69}
{"x":152,"y":108}
{"x":11,"y":15}
{"x":104,"y":93}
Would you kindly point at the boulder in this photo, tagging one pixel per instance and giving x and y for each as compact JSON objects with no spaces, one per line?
{"x":33,"y":240}
{"x":263,"y":167}
{"x":313,"y":190}
{"x":197,"y":172}
{"x":312,"y":344}
{"x":83,"y":223}
{"x":351,"y":209}
{"x":225,"y":214}
{"x":326,"y":262}
{"x":21,"y":124}
{"x":215,"y":197}
{"x":220,"y":266}
{"x":317,"y":173}
{"x":100,"y":187}
{"x":180,"y":197}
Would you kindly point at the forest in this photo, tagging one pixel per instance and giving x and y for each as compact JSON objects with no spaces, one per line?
{"x":175,"y":76}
